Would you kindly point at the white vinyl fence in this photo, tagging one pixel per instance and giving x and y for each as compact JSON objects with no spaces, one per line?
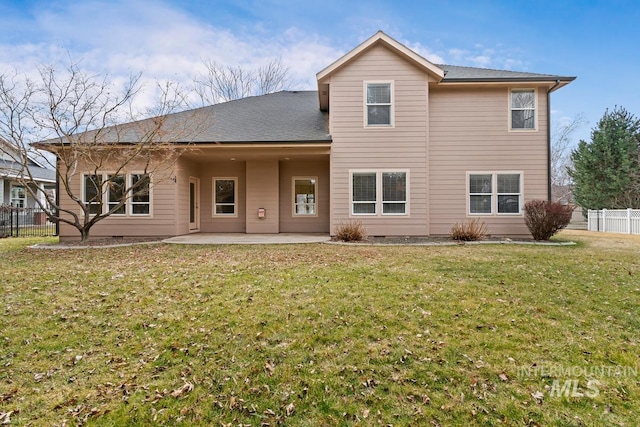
{"x":614,"y":220}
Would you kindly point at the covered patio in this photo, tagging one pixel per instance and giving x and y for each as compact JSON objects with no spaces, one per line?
{"x":248,"y":239}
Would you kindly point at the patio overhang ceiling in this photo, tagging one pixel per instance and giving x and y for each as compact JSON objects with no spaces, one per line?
{"x":244,"y":152}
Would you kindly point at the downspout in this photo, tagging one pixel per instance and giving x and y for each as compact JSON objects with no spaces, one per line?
{"x":549,"y":138}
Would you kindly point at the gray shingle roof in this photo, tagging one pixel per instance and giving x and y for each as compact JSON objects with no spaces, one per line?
{"x":471,"y":74}
{"x":9,"y":168}
{"x":287,"y":116}
{"x":277,"y":117}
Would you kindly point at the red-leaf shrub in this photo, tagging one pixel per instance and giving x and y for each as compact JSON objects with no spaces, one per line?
{"x":544,"y":218}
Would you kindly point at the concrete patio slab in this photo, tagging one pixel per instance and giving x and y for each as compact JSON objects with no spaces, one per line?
{"x":248,"y":239}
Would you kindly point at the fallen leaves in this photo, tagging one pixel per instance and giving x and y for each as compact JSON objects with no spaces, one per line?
{"x":186,"y":388}
{"x":268,"y":366}
{"x":5,"y":417}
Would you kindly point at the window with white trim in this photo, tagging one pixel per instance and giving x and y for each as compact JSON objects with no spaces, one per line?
{"x":18,"y":196}
{"x":140,"y":200}
{"x":379,"y":192}
{"x":491,"y":193}
{"x":92,"y":193}
{"x":523,"y":109}
{"x":111,"y":189}
{"x":305,"y":196}
{"x":508,"y":193}
{"x":364,"y":198}
{"x":225,"y":196}
{"x":116,"y":185}
{"x":379,"y":106}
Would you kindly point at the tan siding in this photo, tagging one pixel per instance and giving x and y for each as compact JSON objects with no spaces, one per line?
{"x":218,"y":224}
{"x":402,"y":147}
{"x":296,"y":224}
{"x":160,"y":223}
{"x":469,"y":133}
{"x":185,"y":170}
{"x":262,"y":192}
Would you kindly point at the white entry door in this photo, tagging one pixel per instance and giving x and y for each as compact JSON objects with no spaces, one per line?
{"x":194,"y":204}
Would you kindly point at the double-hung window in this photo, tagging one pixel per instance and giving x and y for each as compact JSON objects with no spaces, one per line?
{"x":379,"y":192}
{"x":224,"y":197}
{"x":364,"y":199}
{"x":508,"y":193}
{"x":100,"y":190}
{"x":92,"y":193}
{"x":140,"y":200}
{"x":491,"y":193}
{"x":18,"y":196}
{"x":379,"y":105}
{"x":305,"y":196}
{"x":116,"y":186}
{"x":523,"y":109}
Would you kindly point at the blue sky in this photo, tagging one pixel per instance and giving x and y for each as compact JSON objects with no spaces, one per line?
{"x":596,"y":41}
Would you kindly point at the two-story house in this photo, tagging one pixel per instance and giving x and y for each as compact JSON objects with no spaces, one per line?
{"x":406,"y":146}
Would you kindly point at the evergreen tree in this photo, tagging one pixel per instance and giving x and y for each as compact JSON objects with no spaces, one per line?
{"x":606,"y":170}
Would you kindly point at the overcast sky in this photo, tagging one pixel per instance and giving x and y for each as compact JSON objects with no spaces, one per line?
{"x":595,"y":41}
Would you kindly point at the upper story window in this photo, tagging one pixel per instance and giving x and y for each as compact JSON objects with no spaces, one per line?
{"x":379,"y":104}
{"x":523,"y":109}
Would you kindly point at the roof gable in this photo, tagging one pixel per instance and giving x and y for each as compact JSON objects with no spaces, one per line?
{"x":392,"y":44}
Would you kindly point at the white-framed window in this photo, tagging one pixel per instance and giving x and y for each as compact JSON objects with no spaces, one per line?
{"x":105,"y":191}
{"x":494,"y":193}
{"x":378,"y":104}
{"x":394,"y":193}
{"x":305,"y":196}
{"x":522,"y":104}
{"x":140,"y":200}
{"x":225,"y":195}
{"x":379,"y":192}
{"x":18,"y":196}
{"x":92,"y":193}
{"x":116,"y":186}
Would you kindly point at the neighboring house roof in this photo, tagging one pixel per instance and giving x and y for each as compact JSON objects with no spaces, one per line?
{"x":9,"y":169}
{"x":12,"y":169}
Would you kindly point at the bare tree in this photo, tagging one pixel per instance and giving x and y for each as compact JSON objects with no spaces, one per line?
{"x":222,"y":83}
{"x":561,"y":145}
{"x":77,"y":117}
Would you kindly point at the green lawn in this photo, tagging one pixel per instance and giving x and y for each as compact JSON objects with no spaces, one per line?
{"x":322,"y":335}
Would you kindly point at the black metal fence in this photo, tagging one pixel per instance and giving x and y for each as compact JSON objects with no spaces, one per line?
{"x":24,"y":222}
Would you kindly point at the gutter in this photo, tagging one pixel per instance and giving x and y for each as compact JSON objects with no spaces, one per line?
{"x":549,"y":138}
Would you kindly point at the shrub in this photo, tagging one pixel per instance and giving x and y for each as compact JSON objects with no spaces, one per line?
{"x":470,"y":231}
{"x":352,"y":231}
{"x":544,"y":218}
